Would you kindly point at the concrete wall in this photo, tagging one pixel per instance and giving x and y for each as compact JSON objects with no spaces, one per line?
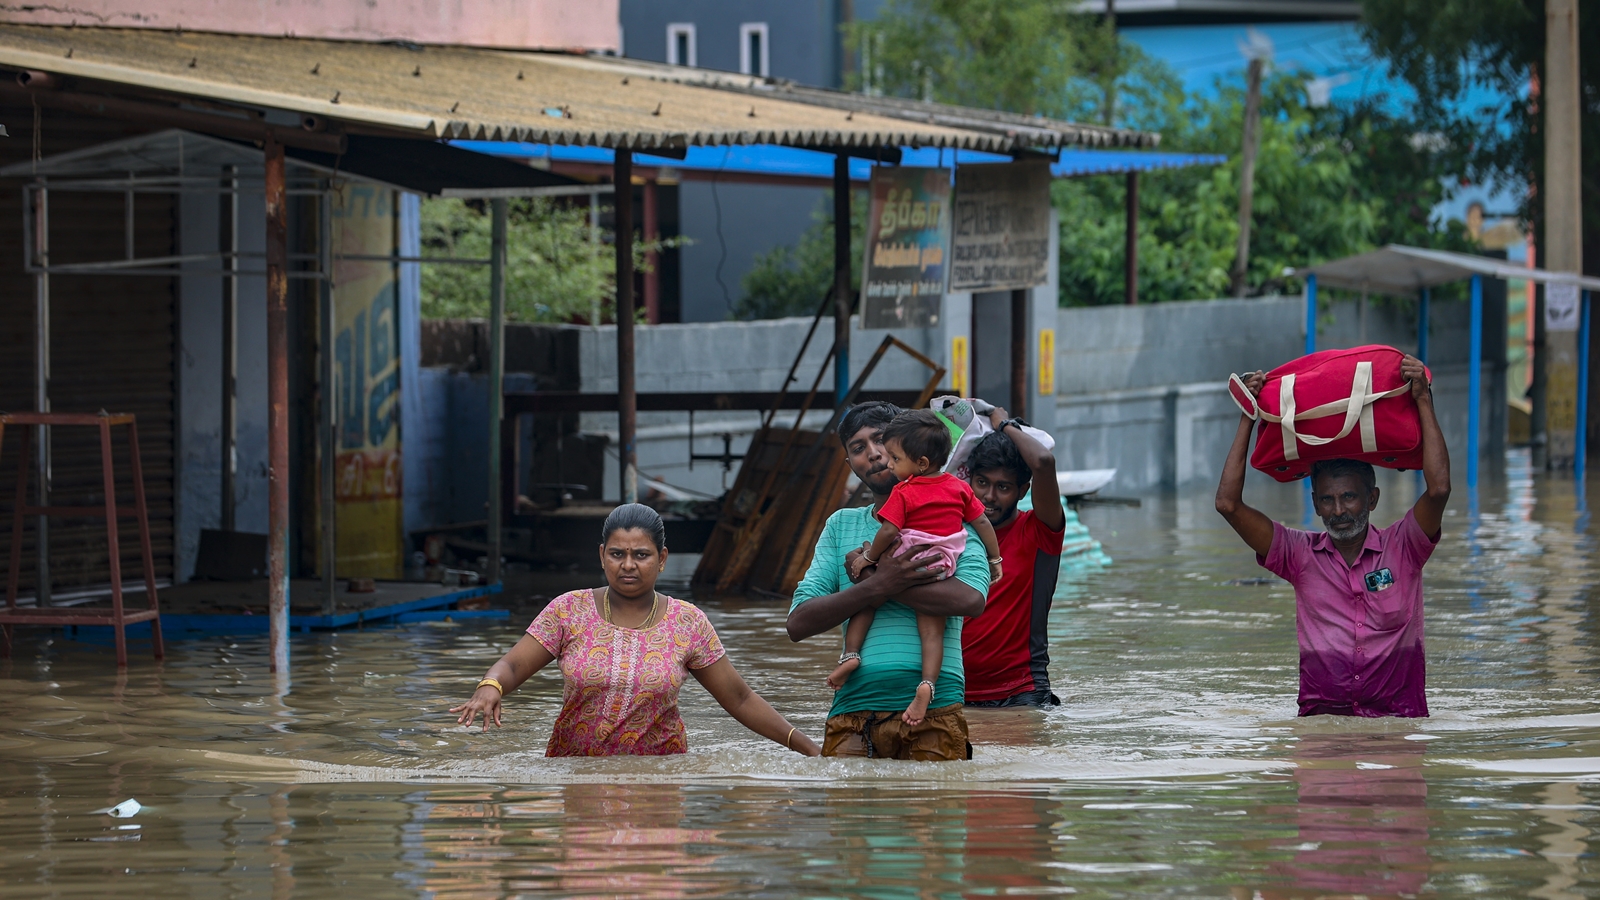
{"x":1142,"y":389}
{"x":721,"y":356}
{"x":1139,"y":389}
{"x":199,"y":381}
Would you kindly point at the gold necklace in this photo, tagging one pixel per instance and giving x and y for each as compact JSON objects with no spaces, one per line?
{"x":605,"y":611}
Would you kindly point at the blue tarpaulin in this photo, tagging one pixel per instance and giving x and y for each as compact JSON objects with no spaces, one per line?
{"x":796,"y":163}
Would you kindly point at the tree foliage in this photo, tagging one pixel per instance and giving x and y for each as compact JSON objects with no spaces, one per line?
{"x":995,"y":54}
{"x":1471,"y":63}
{"x":1330,"y":181}
{"x":792,"y":280}
{"x":555,"y":270}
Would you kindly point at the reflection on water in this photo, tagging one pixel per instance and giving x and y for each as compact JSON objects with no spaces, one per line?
{"x":1176,"y":765}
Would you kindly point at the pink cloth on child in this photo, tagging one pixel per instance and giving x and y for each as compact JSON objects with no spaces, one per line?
{"x":947,"y":547}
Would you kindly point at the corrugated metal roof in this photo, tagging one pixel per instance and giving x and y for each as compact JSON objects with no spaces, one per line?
{"x":481,"y":94}
{"x":1402,"y":271}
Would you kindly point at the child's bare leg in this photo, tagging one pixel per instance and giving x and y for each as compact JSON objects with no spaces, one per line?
{"x":855,"y":635}
{"x":930,"y":631}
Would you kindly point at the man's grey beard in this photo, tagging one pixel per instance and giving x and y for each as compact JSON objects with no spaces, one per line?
{"x":1343,"y":532}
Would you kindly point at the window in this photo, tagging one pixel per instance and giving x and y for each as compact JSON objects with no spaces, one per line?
{"x":753,"y":49}
{"x":680,"y":44}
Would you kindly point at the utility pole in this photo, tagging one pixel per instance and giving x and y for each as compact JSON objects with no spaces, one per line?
{"x":1110,"y":111}
{"x":1563,"y":225}
{"x":1247,"y":174}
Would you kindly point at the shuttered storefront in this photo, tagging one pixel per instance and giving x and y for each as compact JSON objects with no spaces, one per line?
{"x":112,"y":348}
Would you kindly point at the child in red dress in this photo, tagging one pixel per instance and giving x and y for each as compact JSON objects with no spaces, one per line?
{"x":927,"y":507}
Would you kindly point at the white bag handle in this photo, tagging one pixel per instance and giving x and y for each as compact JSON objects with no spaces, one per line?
{"x":1357,"y":410}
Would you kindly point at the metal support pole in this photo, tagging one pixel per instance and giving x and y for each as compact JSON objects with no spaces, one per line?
{"x":1247,"y":175}
{"x":1423,"y":299}
{"x":228,"y":213}
{"x":1474,"y":381}
{"x":594,"y":239}
{"x":841,"y":277}
{"x":277,"y":407}
{"x":497,"y":373}
{"x":329,"y":425}
{"x":1019,"y":353}
{"x":1579,"y":459}
{"x":627,"y":400}
{"x":1130,"y":274}
{"x":652,"y":275}
{"x":41,"y":375}
{"x":1311,"y":314}
{"x":127,"y":221}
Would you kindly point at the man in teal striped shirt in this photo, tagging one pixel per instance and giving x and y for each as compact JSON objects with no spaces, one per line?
{"x":865,"y":719}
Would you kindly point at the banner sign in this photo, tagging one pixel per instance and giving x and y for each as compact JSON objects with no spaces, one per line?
{"x":1002,"y":227}
{"x":1047,"y":361}
{"x":366,"y":389}
{"x":908,"y":228}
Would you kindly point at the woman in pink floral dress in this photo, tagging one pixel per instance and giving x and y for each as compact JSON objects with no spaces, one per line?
{"x":624,"y":651}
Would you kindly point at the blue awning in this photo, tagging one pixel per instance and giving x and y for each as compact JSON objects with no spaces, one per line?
{"x":765,"y":159}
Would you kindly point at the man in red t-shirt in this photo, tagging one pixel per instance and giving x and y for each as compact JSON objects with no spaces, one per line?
{"x":1007,"y":658}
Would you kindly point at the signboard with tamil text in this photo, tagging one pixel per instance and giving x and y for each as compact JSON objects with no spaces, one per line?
{"x":1001,"y":238}
{"x":908,"y":229}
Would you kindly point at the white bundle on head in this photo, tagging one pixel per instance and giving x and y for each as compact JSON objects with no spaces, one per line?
{"x":971,"y":419}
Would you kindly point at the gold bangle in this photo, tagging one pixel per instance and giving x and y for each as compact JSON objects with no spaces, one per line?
{"x":492,"y":683}
{"x":787,"y":737}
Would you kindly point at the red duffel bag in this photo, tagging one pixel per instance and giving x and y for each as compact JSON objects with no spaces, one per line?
{"x":1336,"y":404}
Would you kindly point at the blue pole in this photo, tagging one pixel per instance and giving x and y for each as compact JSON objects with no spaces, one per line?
{"x":1311,"y":314}
{"x":1311,"y":347}
{"x":1422,"y":325}
{"x":1474,"y":381}
{"x":1578,"y":460}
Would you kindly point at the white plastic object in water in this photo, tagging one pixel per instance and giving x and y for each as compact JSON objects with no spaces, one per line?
{"x":124,"y":810}
{"x":1083,"y":481}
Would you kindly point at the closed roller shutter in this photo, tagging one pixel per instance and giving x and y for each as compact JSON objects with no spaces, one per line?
{"x":112,"y":348}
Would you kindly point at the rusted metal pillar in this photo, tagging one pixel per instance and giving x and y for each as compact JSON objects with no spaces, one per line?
{"x":228,"y":234}
{"x":497,"y":374}
{"x":841,"y":277}
{"x":1130,"y":273}
{"x":277,"y":407}
{"x":627,"y":400}
{"x":41,"y":375}
{"x":1019,"y":353}
{"x":652,"y":275}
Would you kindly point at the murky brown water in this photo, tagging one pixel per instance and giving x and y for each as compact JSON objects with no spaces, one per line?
{"x":1175,"y":768}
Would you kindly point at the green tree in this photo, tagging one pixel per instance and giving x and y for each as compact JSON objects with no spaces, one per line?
{"x":1330,"y":181}
{"x":792,"y":280}
{"x":996,"y":54}
{"x":1471,"y":63}
{"x":555,"y":270}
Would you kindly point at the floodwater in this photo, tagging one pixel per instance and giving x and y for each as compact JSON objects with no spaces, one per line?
{"x":1175,"y":766}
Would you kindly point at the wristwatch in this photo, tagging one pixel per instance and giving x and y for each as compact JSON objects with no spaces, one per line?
{"x":1014,"y":420}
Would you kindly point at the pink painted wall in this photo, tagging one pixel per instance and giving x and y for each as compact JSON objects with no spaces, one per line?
{"x":590,"y":24}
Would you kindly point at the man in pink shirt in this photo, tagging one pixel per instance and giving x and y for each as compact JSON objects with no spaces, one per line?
{"x":1357,"y":589}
